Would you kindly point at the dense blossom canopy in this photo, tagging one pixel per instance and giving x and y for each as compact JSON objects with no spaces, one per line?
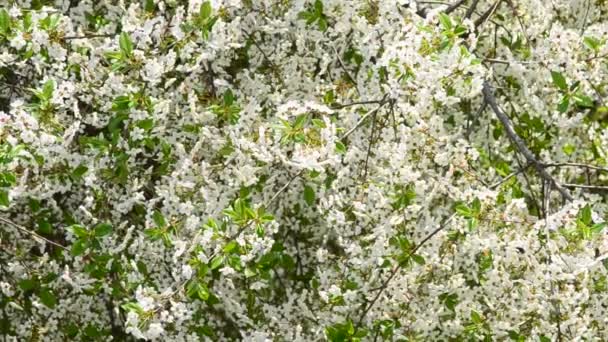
{"x":301,"y":170}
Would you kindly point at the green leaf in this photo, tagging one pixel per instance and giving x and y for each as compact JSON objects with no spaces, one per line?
{"x":583,"y":100}
{"x":79,"y":231}
{"x":78,"y":247}
{"x":4,"y":201}
{"x":592,"y":43}
{"x":44,"y":226}
{"x":217,"y":262}
{"x":419,"y":259}
{"x":149,"y":6}
{"x":27,"y":284}
{"x":562,"y":106}
{"x":228,"y":98}
{"x":133,"y":307}
{"x":47,"y":298}
{"x":340,"y":148}
{"x":598,"y":227}
{"x":231,"y":246}
{"x":319,"y":7}
{"x":585,"y":215}
{"x":5,"y":21}
{"x":102,"y":229}
{"x":309,"y":195}
{"x":475,"y":317}
{"x":322,"y":23}
{"x":47,"y":89}
{"x":79,"y":171}
{"x":146,"y":124}
{"x":159,"y":219}
{"x":463,"y":210}
{"x":206,"y":10}
{"x":559,"y":80}
{"x":195,"y":289}
{"x":126,"y":46}
{"x":445,"y":21}
{"x":569,"y":149}
{"x":318,"y":123}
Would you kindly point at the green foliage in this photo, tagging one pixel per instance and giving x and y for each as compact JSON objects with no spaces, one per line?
{"x":309,"y":195}
{"x":346,"y":331}
{"x":471,"y":212}
{"x":570,"y":94}
{"x":227,"y":111}
{"x":315,"y":14}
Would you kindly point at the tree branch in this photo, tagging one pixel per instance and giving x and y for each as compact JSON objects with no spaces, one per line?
{"x":31,"y":233}
{"x":519,"y":143}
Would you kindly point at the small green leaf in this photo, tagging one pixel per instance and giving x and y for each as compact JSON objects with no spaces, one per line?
{"x":102,"y":229}
{"x":4,"y":201}
{"x":133,"y":307}
{"x":419,"y":259}
{"x":562,"y":106}
{"x":231,"y":246}
{"x":78,"y":247}
{"x":583,"y":100}
{"x":559,"y":80}
{"x":592,"y":43}
{"x":159,"y":219}
{"x":79,"y":231}
{"x":445,"y":21}
{"x":585,"y":215}
{"x":309,"y":195}
{"x":79,"y":171}
{"x":228,"y":98}
{"x":318,"y":123}
{"x":47,"y":298}
{"x":206,"y":10}
{"x":476,"y":318}
{"x":27,"y":284}
{"x":463,"y":210}
{"x":319,"y":7}
{"x":340,"y":148}
{"x":47,"y":89}
{"x":5,"y":21}
{"x":44,"y":226}
{"x":217,"y":262}
{"x":126,"y":46}
{"x":598,"y":227}
{"x":569,"y":149}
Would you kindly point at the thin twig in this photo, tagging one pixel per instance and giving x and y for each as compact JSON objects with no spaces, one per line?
{"x":343,"y":66}
{"x":396,"y":269}
{"x":454,"y":6}
{"x":471,"y":9}
{"x":519,"y":143}
{"x":511,"y":175}
{"x":356,"y":103}
{"x":586,"y":187}
{"x":362,"y":120}
{"x":586,"y":166}
{"x":486,"y":15}
{"x":29,"y":232}
{"x":87,"y":36}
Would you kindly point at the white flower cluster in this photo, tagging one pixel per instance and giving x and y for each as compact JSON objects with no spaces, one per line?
{"x":272,"y":170}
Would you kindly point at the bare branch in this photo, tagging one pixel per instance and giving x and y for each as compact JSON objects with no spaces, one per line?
{"x":396,"y":269}
{"x":362,"y":120}
{"x":31,"y":233}
{"x":471,"y":9}
{"x":487,"y":14}
{"x":586,"y":166}
{"x":454,"y":6}
{"x":519,"y":143}
{"x":586,"y":187}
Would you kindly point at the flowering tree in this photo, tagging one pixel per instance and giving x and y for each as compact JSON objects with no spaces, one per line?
{"x":303,"y":170}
